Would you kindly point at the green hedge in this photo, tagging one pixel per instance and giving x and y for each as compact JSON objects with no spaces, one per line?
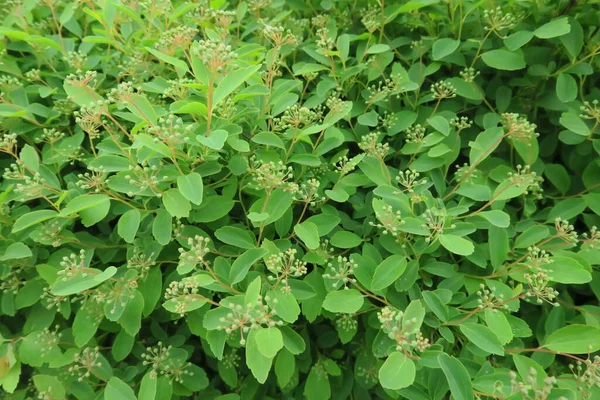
{"x":274,"y":199}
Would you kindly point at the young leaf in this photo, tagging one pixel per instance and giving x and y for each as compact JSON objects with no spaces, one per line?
{"x":397,"y":372}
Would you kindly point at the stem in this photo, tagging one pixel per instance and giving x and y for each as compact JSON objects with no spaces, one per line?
{"x":209,"y":104}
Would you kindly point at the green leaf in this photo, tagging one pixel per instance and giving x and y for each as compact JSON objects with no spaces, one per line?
{"x":518,"y":39}
{"x":496,"y":217}
{"x":574,"y":124}
{"x":444,"y":47}
{"x":309,"y":234}
{"x":148,"y":387}
{"x":241,"y":266}
{"x":84,"y":202}
{"x":236,"y":237}
{"x":574,"y":339}
{"x":457,"y":376}
{"x":436,"y":305}
{"x":177,"y":63}
{"x":215,"y":140}
{"x":129,"y":224}
{"x":191,"y":187}
{"x":256,"y":361}
{"x":504,"y":60}
{"x":567,"y":270}
{"x":554,"y":28}
{"x":269,"y":341}
{"x":345,"y":240}
{"x":482,"y":337}
{"x":118,"y":390}
{"x":81,"y":282}
{"x":397,"y":372}
{"x":343,"y":301}
{"x":32,"y":218}
{"x":498,"y":323}
{"x":566,"y":88}
{"x":176,"y":204}
{"x":15,"y":251}
{"x":285,"y":364}
{"x":30,"y":158}
{"x":162,"y":227}
{"x":456,"y":244}
{"x":388,"y":271}
{"x":232,"y":81}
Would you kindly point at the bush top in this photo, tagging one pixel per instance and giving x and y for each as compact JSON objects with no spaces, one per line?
{"x":299,"y":199}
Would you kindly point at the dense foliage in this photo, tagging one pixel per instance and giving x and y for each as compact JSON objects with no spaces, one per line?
{"x":299,"y":199}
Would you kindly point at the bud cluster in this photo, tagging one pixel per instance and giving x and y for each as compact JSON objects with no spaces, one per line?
{"x":529,"y":388}
{"x":85,"y":362}
{"x":524,"y":176}
{"x":269,"y":176}
{"x":198,"y":250}
{"x":253,"y":315}
{"x":370,"y":144}
{"x":389,"y":221}
{"x":518,"y":128}
{"x":162,"y":363}
{"x":339,"y":272}
{"x":404,"y":332}
{"x":565,"y":230}
{"x":216,"y":55}
{"x":145,"y":177}
{"x":308,"y":192}
{"x":460,"y":123}
{"x":443,"y":90}
{"x":587,"y":374}
{"x":298,"y":117}
{"x":170,"y":130}
{"x":489,"y":299}
{"x":590,"y":110}
{"x":415,"y":133}
{"x":73,"y":265}
{"x":283,"y":266}
{"x":183,"y":293}
{"x":409,"y":179}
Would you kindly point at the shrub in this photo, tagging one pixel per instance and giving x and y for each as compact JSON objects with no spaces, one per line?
{"x":300,"y":199}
